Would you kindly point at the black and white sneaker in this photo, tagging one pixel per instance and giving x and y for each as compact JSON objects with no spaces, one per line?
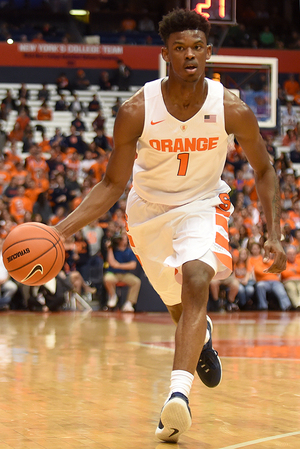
{"x":209,"y":367}
{"x":175,"y":418}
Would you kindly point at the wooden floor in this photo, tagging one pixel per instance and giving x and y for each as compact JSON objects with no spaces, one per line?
{"x":99,"y":380}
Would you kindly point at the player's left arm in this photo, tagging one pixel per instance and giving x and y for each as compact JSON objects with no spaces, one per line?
{"x":241,"y":121}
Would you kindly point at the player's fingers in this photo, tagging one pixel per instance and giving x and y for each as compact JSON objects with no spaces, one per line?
{"x":278,"y":265}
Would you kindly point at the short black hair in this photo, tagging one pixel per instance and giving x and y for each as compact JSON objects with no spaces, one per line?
{"x":181,"y":20}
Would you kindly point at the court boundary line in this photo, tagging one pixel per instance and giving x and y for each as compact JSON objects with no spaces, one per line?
{"x":261,"y":440}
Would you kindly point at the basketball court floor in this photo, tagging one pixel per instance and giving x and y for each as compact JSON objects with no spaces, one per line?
{"x":99,"y":380}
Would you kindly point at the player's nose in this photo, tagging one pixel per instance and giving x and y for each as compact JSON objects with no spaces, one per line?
{"x":189,"y":54}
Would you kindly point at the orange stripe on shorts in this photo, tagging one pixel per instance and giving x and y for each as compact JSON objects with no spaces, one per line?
{"x":220,"y":240}
{"x":225,"y":259}
{"x":221,"y":221}
{"x":222,"y":212}
{"x":130,"y":240}
{"x":138,"y":259}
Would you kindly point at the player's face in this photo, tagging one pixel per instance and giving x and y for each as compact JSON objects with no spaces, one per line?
{"x":187,"y":52}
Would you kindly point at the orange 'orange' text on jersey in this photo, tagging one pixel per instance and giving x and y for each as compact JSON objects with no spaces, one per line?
{"x":178,"y":162}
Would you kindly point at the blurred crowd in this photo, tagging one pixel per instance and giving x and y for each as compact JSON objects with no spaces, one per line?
{"x":44,"y":181}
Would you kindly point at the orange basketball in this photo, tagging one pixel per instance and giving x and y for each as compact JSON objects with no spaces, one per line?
{"x":33,"y":253}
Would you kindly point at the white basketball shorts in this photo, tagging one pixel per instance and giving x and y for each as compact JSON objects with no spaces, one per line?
{"x":165,"y":237}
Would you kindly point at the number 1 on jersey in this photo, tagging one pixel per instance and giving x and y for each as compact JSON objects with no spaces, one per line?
{"x":183,"y":163}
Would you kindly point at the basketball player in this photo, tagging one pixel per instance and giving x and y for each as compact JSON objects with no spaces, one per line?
{"x":178,"y":207}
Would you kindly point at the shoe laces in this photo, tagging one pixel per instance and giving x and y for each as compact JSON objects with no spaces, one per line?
{"x":207,"y":359}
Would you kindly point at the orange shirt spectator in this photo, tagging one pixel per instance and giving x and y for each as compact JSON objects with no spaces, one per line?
{"x":44,"y":145}
{"x":19,"y":205}
{"x":16,"y":133}
{"x":257,"y":265}
{"x":19,"y":173}
{"x":44,"y":113}
{"x":36,"y":162}
{"x":99,"y":168}
{"x":23,"y":119}
{"x":291,"y":86}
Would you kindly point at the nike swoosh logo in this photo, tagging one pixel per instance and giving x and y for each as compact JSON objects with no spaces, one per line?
{"x":174,"y":433}
{"x":34,"y":270}
{"x":155,"y":123}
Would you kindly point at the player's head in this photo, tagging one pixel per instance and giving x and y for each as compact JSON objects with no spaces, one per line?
{"x":182,"y":20}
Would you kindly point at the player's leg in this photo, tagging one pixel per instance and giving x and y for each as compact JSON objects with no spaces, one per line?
{"x":189,"y":340}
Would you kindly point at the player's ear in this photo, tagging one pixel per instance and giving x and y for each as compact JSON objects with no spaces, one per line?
{"x":209,"y":51}
{"x":165,"y":54}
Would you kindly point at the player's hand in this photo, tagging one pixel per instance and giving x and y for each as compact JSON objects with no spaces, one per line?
{"x":274,"y":247}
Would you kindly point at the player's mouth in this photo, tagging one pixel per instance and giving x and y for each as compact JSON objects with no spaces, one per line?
{"x":190,"y":68}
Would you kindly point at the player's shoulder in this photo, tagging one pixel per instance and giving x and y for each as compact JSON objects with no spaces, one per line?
{"x":135,"y":105}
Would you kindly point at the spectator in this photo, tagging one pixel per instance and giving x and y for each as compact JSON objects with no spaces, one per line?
{"x":98,"y":168}
{"x":11,"y":190}
{"x":44,"y":144}
{"x":267,"y":38}
{"x":51,"y":296}
{"x":23,"y":119}
{"x":295,"y":151}
{"x":62,"y":104}
{"x":62,"y":83}
{"x":123,"y":76}
{"x":42,"y":207}
{"x":128,"y":23}
{"x":232,"y":286}
{"x":60,"y":196}
{"x":74,"y":140}
{"x":101,"y":140}
{"x":19,"y":173}
{"x":17,"y":133}
{"x":266,"y":283}
{"x":78,"y":123}
{"x":81,"y":255}
{"x":93,"y":233}
{"x":81,"y":82}
{"x":99,"y":121}
{"x":5,"y":176}
{"x":289,"y":117}
{"x":146,"y":24}
{"x":8,"y":104}
{"x":290,"y":136}
{"x":116,"y":107}
{"x":19,"y":204}
{"x":291,"y":87}
{"x":104,"y":80}
{"x":122,"y":262}
{"x":71,"y":181}
{"x":243,"y":274}
{"x":44,"y":113}
{"x":23,"y":92}
{"x":7,"y":286}
{"x":94,"y":104}
{"x":58,"y":137}
{"x":291,"y":276}
{"x":43,"y":93}
{"x":85,"y":165}
{"x":35,"y":161}
{"x":38,"y":38}
{"x":76,"y":106}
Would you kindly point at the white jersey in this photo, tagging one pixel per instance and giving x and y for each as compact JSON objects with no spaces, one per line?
{"x":178,"y":162}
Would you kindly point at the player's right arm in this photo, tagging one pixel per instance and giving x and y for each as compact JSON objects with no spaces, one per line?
{"x":128,"y":128}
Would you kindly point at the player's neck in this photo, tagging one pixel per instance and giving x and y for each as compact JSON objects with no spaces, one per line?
{"x":183,"y":100}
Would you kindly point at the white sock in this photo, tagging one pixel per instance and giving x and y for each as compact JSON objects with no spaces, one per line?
{"x":181,"y":382}
{"x":207,"y":336}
